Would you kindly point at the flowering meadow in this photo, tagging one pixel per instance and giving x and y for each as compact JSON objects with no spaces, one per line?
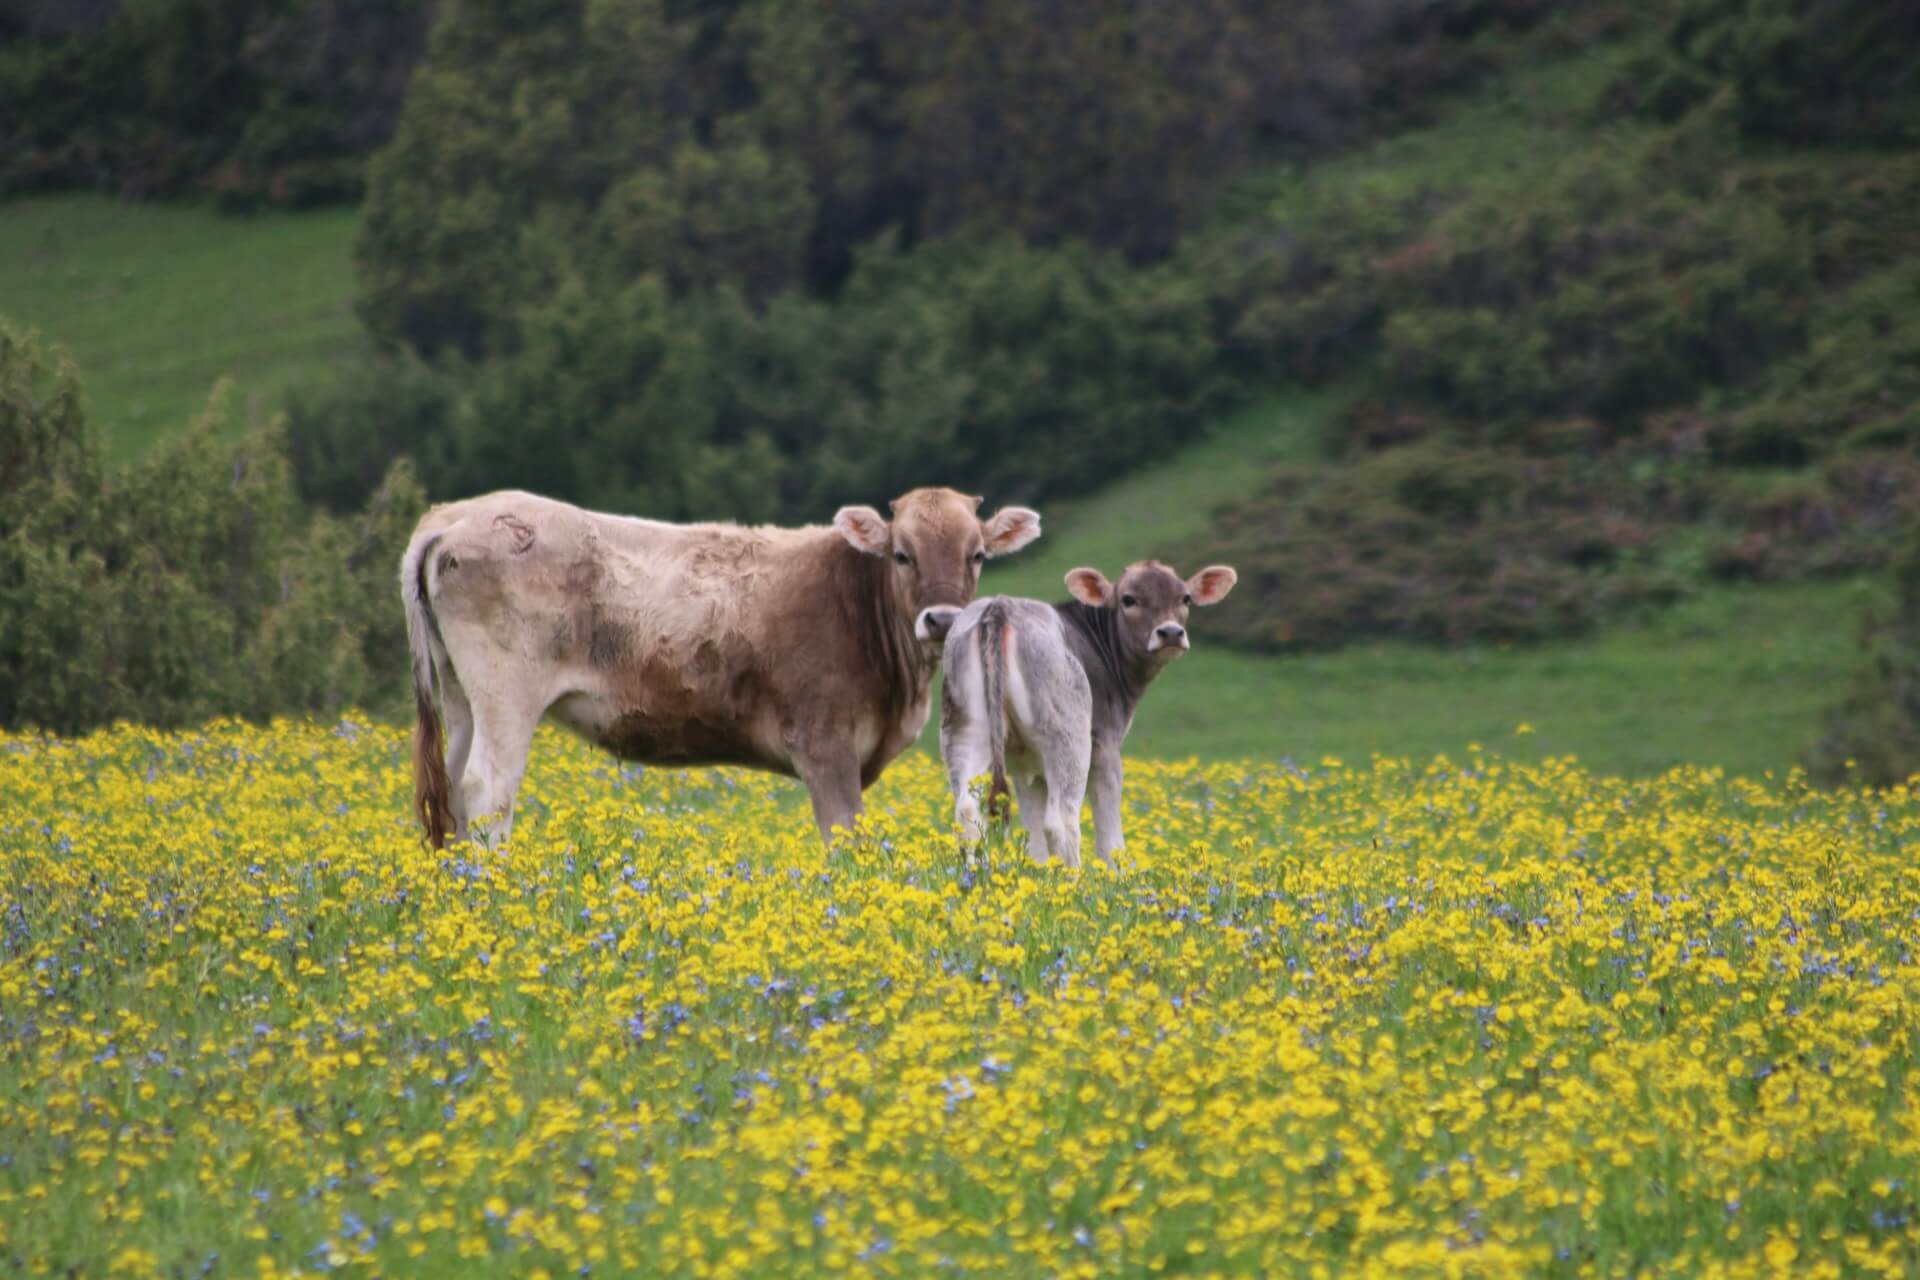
{"x":1453,"y":1017}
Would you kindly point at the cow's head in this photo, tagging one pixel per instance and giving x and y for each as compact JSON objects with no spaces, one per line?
{"x":937,"y":543}
{"x":1151,"y":604}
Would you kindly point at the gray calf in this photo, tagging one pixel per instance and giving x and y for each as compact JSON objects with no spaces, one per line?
{"x":1045,"y":693}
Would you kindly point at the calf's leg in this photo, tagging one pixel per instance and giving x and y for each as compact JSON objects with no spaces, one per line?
{"x":1063,"y":754}
{"x":1031,"y":791}
{"x":967,"y":757}
{"x":1105,"y":785}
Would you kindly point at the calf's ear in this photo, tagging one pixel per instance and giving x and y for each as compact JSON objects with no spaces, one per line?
{"x":1090,"y":586}
{"x":1010,"y":529}
{"x":1211,"y":584}
{"x":865,"y":529}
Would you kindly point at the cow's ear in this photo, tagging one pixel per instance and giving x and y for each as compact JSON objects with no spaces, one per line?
{"x":1090,"y":586}
{"x":1211,"y":584}
{"x":1010,"y":529}
{"x":865,"y":529}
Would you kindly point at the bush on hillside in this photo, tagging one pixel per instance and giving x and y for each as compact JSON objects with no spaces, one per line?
{"x":1612,"y":289}
{"x":1421,"y":535}
{"x":1873,"y":736}
{"x":192,"y":585}
{"x":1004,"y":369}
{"x":345,"y":434}
{"x":1437,"y":541}
{"x":1795,"y":70}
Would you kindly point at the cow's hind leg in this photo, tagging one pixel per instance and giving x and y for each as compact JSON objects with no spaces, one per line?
{"x":457,"y":712}
{"x":967,"y":753}
{"x":1031,"y":791}
{"x":1065,"y":755}
{"x":502,"y":735}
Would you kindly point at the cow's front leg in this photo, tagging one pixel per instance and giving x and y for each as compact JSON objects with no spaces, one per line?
{"x":1105,"y":786}
{"x":832,"y":777}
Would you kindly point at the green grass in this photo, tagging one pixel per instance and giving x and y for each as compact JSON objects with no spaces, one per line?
{"x":156,"y":302}
{"x":1147,"y":514}
{"x":1739,"y":677}
{"x":1512,"y":134}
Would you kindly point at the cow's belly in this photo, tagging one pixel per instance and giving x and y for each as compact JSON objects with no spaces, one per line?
{"x":647,"y":736}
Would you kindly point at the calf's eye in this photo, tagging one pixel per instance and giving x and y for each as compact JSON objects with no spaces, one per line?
{"x":1187,"y":598}
{"x":1127,"y":602}
{"x":901,"y":557}
{"x":979,"y":557}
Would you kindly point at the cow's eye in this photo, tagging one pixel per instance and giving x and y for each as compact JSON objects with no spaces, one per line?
{"x":901,"y":557}
{"x":979,"y":557}
{"x":1187,"y":598}
{"x":1127,"y":602}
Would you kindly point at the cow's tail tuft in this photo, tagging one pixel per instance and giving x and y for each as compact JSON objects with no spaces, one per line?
{"x":993,"y":679}
{"x":432,"y":797}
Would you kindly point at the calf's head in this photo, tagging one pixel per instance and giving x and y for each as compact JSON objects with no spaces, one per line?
{"x":936,"y":543}
{"x":1150,"y":604}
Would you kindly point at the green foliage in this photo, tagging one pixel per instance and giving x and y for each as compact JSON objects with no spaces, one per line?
{"x":1435,"y":541}
{"x":1005,"y":369}
{"x":761,"y":144}
{"x":257,"y":101}
{"x":1796,"y":70}
{"x":1873,"y":735}
{"x":189,"y":586}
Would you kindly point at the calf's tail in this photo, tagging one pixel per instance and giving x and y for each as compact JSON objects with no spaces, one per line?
{"x":432,"y":797}
{"x":993,"y":679}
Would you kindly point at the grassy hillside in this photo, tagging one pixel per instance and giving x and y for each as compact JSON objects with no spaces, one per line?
{"x":158,"y":301}
{"x":1736,"y":677}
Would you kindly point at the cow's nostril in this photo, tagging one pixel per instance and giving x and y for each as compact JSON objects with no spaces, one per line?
{"x":935,"y":621}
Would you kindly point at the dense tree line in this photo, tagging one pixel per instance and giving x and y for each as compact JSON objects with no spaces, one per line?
{"x":255,"y":101}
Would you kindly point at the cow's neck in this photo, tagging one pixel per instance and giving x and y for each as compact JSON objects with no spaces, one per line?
{"x":883,"y":631}
{"x":1116,"y":677}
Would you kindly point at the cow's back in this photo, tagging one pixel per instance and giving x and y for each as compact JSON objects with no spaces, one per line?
{"x":664,"y":643}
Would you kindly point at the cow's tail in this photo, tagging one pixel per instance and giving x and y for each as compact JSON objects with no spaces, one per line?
{"x":993,"y":681}
{"x":432,"y":797}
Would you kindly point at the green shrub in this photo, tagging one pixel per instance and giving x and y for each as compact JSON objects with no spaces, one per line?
{"x":190,"y":586}
{"x":996,"y":367}
{"x":1798,"y":70}
{"x":344,"y":435}
{"x":1437,"y":541}
{"x":1873,"y":735}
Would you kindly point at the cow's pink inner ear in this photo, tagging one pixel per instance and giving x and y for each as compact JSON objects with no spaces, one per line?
{"x":1089,"y":586}
{"x":1211,"y":584}
{"x":865,"y":529}
{"x":1010,"y":529}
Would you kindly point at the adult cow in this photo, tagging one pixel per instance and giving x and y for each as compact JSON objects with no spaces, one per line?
{"x":805,"y":651}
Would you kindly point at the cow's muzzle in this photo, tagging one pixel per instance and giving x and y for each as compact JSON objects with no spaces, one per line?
{"x":935,"y":621}
{"x":1168,"y":635}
